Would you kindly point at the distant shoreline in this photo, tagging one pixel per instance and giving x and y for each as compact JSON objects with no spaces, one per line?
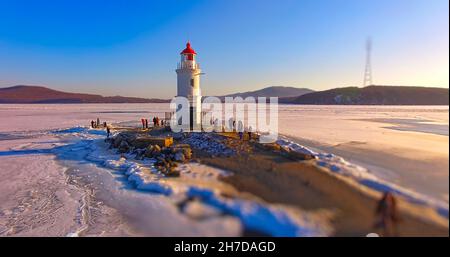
{"x":283,"y":104}
{"x":370,"y":95}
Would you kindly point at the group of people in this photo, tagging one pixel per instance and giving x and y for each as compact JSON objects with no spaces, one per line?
{"x":144,"y":123}
{"x":233,"y":126}
{"x":156,"y":122}
{"x":96,"y":124}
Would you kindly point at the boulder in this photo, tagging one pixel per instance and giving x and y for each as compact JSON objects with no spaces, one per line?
{"x":172,"y":172}
{"x":273,"y":147}
{"x":156,"y":149}
{"x":166,"y":150}
{"x":149,"y":152}
{"x":178,"y":136}
{"x":124,"y":147}
{"x":141,"y":142}
{"x":131,"y":141}
{"x":160,"y":161}
{"x":300,"y":156}
{"x":285,"y":150}
{"x":187,"y":153}
{"x":185,"y":149}
{"x":117,"y":140}
{"x":179,"y":157}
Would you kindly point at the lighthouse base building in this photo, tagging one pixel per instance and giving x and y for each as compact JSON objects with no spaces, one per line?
{"x":188,"y":86}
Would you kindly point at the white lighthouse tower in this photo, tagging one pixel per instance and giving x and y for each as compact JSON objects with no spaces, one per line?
{"x":188,"y":84}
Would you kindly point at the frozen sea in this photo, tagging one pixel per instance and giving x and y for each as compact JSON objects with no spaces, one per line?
{"x":56,"y":179}
{"x":406,"y":145}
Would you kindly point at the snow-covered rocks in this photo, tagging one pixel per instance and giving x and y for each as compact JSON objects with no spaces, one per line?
{"x":210,"y":143}
{"x":167,"y":158}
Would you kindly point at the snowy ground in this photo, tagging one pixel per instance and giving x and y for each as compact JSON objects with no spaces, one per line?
{"x":58,"y":178}
{"x":406,"y":145}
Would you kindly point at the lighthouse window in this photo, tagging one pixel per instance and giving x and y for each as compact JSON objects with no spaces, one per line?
{"x":192,"y":82}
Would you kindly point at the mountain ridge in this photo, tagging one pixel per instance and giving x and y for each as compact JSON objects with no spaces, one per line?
{"x":41,"y":94}
{"x":374,"y":95}
{"x":370,"y":95}
{"x":272,"y":91}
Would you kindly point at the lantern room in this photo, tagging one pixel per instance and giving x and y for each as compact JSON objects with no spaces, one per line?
{"x":188,"y":54}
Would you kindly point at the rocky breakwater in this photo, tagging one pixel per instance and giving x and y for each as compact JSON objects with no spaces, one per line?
{"x":217,"y":145}
{"x":144,"y":146}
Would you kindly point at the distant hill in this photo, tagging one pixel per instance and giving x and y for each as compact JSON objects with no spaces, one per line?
{"x":371,"y":95}
{"x":276,"y":91}
{"x":39,"y":94}
{"x":374,"y":95}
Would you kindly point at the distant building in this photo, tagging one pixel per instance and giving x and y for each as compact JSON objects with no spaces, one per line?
{"x":188,"y":84}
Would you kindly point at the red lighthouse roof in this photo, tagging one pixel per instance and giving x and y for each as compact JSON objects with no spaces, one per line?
{"x":188,"y":49}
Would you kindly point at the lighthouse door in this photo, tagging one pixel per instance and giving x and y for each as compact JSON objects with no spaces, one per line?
{"x":191,"y":118}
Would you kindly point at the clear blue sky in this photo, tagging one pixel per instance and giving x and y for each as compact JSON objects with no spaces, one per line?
{"x":131,"y":47}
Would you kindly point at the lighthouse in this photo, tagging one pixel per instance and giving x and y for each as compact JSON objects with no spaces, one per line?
{"x":188,"y":84}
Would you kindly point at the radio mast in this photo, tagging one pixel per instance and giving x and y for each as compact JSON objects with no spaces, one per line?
{"x":368,"y":69}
